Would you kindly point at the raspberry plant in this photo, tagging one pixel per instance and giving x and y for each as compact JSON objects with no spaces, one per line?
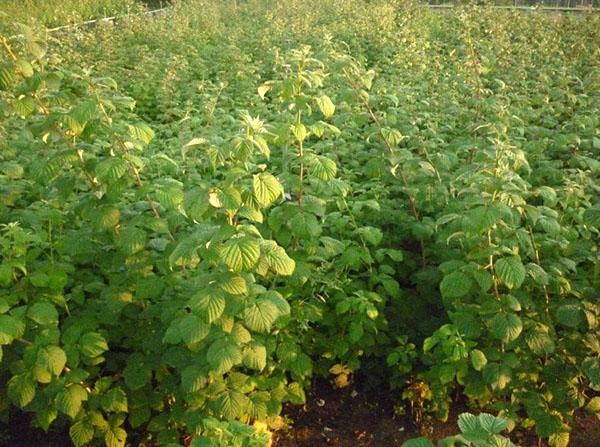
{"x":298,"y":189}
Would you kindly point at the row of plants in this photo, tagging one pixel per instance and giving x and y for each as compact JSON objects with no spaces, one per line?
{"x":202,"y":213}
{"x":53,"y":13}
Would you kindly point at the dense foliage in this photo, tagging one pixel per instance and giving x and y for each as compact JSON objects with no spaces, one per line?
{"x":55,"y":13}
{"x":202,"y":212}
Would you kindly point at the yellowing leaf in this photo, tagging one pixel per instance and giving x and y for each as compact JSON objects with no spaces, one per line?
{"x":255,"y":356}
{"x":193,"y":329}
{"x":240,"y":253}
{"x":275,"y":258}
{"x":266,"y":189}
{"x":209,"y":304}
{"x":260,"y":315}
{"x":81,"y":433}
{"x":69,"y":400}
{"x":115,"y":437}
{"x":141,"y":132}
{"x":223,"y":355}
{"x":321,"y":167}
{"x":478,"y":359}
{"x":506,"y":326}
{"x":299,"y":132}
{"x":21,"y":389}
{"x":326,"y":106}
{"x":92,"y":344}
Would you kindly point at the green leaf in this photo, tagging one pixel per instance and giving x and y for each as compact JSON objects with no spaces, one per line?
{"x":23,"y":106}
{"x":115,"y":437}
{"x":209,"y":304}
{"x":276,"y":259}
{"x":392,"y":136}
{"x":509,"y":302}
{"x":10,"y":329}
{"x":45,"y":417}
{"x":483,"y":279}
{"x":138,"y":416}
{"x":305,"y":226}
{"x":497,"y":376}
{"x":539,"y":341}
{"x":506,"y":327}
{"x":233,"y":284}
{"x":356,"y":331}
{"x":111,"y":169}
{"x":492,"y":424}
{"x":21,"y":389}
{"x":51,"y":359}
{"x":538,"y":274}
{"x":569,"y":315}
{"x":260,"y":315}
{"x":81,"y":433}
{"x":253,"y":215}
{"x":395,"y":255}
{"x":446,"y":373}
{"x":283,"y":307}
{"x":372,"y":235}
{"x":418,"y":442}
{"x":546,"y":423}
{"x":107,"y":218}
{"x":241,"y":253}
{"x":193,"y":379}
{"x":240,"y":334}
{"x":255,"y":356}
{"x":485,"y":217}
{"x":41,"y":374}
{"x":92,"y":344}
{"x":43,"y":313}
{"x":321,"y":167}
{"x":299,"y":131}
{"x":257,"y":405}
{"x":326,"y":106}
{"x":115,"y":400}
{"x":455,"y":285}
{"x":264,"y":89}
{"x":233,"y":404}
{"x":560,"y":439}
{"x":136,"y":373}
{"x":133,"y":240}
{"x":511,"y":271}
{"x":69,"y":400}
{"x":471,"y":428}
{"x":170,"y":194}
{"x":223,"y":355}
{"x":591,"y":368}
{"x":591,"y":216}
{"x":142,"y":132}
{"x":172,"y":334}
{"x":266,"y":189}
{"x":24,"y":68}
{"x":193,"y":329}
{"x":7,"y":77}
{"x":478,"y":359}
{"x":593,"y":406}
{"x":295,"y":394}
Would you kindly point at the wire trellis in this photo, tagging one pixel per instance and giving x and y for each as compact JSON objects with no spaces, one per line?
{"x":557,"y":4}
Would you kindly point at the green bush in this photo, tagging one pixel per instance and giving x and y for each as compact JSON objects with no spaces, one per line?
{"x":201,"y":212}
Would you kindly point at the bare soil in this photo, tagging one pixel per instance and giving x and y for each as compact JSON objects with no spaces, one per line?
{"x":351,"y":417}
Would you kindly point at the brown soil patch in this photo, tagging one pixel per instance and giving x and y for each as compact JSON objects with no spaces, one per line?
{"x":351,"y":417}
